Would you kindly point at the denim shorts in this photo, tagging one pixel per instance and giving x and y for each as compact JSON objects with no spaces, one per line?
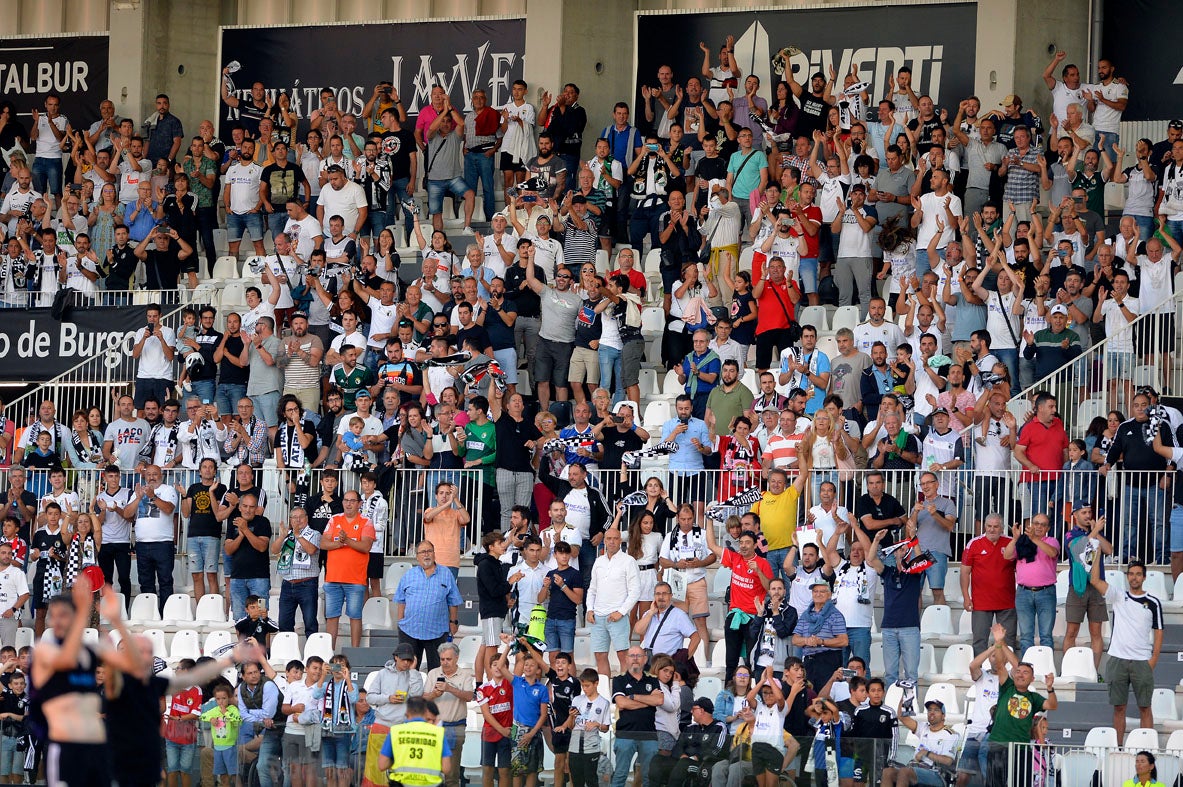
{"x":935,"y":574}
{"x":226,"y":761}
{"x":203,"y":554}
{"x":12,"y":762}
{"x":1119,"y":365}
{"x":1176,"y":544}
{"x":179,"y":756}
{"x":560,"y":635}
{"x":436,"y":189}
{"x":507,"y":359}
{"x":335,"y":751}
{"x":338,"y":594}
{"x":239,"y":224}
{"x":808,"y":270}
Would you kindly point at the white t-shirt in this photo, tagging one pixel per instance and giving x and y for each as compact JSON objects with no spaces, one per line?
{"x":13,"y":584}
{"x":382,"y":320}
{"x":1062,"y":96}
{"x":853,"y":241}
{"x":49,"y":146}
{"x":934,"y":208}
{"x":686,"y":546}
{"x":18,"y":202}
{"x":298,"y":693}
{"x":243,"y":180}
{"x":866,"y":334}
{"x":1135,"y":618}
{"x":1105,"y":118}
{"x":250,"y":318}
{"x":1157,"y":284}
{"x":151,"y":524}
{"x":129,"y":179}
{"x":282,"y":266}
{"x":569,"y":536}
{"x":941,"y":742}
{"x":153,"y":365}
{"x":1001,"y":322}
{"x":493,"y":259}
{"x":346,"y":203}
{"x":1117,"y":327}
{"x":850,"y":584}
{"x":981,"y":713}
{"x":769,"y":725}
{"x":116,"y":529}
{"x":304,"y":233}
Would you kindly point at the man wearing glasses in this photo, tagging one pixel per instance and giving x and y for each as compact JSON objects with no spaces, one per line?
{"x":428,"y":603}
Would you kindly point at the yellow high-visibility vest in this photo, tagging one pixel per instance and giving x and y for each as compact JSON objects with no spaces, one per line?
{"x":417,"y":754}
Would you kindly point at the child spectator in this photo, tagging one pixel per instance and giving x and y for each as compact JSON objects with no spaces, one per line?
{"x":180,"y":730}
{"x":256,"y":625}
{"x":224,"y":720}
{"x":1080,"y":479}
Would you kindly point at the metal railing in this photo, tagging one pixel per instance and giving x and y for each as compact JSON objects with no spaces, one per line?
{"x":1047,"y":764}
{"x":95,"y":381}
{"x":1106,"y":376}
{"x":1135,"y":504}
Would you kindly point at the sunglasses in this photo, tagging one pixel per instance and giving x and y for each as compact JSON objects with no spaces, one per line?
{"x":562,"y":276}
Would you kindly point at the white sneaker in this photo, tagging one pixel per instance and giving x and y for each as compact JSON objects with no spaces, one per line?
{"x":467,"y":231}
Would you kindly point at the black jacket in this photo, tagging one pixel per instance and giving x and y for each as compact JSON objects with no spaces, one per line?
{"x":492,"y":586}
{"x":706,"y":743}
{"x":783,"y":622}
{"x":600,"y":513}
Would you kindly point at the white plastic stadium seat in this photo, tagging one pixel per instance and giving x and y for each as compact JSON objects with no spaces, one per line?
{"x":285,"y":647}
{"x":376,"y":613}
{"x":319,"y":644}
{"x":185,"y":645}
{"x":226,"y":268}
{"x":178,"y":611}
{"x":1078,"y":666}
{"x":1042,"y":659}
{"x":145,"y":608}
{"x":211,"y":610}
{"x":955,"y":664}
{"x":215,"y":640}
{"x":936,"y":622}
{"x":815,"y":316}
{"x":846,"y":317}
{"x":1141,"y":738}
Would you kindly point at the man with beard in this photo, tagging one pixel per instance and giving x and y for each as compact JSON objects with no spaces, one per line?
{"x":300,"y":358}
{"x":373,"y":174}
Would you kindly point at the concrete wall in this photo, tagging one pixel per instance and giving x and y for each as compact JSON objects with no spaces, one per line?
{"x":1042,"y":27}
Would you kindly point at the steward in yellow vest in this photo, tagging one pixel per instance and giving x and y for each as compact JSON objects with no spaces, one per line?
{"x":415,"y":752}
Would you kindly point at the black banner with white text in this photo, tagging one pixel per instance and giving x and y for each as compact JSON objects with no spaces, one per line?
{"x":74,"y":67}
{"x":35,"y":347}
{"x":414,"y":56}
{"x":937,"y":41}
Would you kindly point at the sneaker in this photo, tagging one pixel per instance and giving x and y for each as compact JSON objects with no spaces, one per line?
{"x":467,"y":231}
{"x":188,"y":386}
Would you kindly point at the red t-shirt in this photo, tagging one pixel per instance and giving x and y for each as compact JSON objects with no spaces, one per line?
{"x":636,"y":279}
{"x":813,"y":213}
{"x":769,"y":314}
{"x":1045,"y":448}
{"x":499,"y":698}
{"x":183,"y":703}
{"x":747,"y":593}
{"x":992,"y":582}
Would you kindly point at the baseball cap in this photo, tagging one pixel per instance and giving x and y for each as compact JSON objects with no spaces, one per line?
{"x":579,"y":199}
{"x":362,"y":392}
{"x":819,"y":581}
{"x":1081,"y":505}
{"x":938,"y":703}
{"x":1176,"y":124}
{"x":1060,"y":308}
{"x":706,"y":704}
{"x":940,"y":411}
{"x":1011,"y":99}
{"x":300,"y":315}
{"x":404,"y":651}
{"x":334,"y":168}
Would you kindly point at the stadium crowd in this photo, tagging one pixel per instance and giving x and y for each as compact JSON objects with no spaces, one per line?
{"x":488,"y":405}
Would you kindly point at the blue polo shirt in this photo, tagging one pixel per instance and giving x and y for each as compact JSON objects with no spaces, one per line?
{"x":687,"y":457}
{"x":427,"y":600}
{"x":528,"y":699}
{"x":834,"y":625}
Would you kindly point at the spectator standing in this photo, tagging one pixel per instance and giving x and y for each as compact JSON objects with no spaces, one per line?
{"x":614,"y":589}
{"x":243,"y":199}
{"x":248,"y":537}
{"x":1135,"y":643}
{"x":1144,"y":504}
{"x":988,"y":583}
{"x":901,"y":608}
{"x":153,"y":506}
{"x":1036,"y":556}
{"x":14,"y":594}
{"x":426,"y":597}
{"x":1018,"y":705}
{"x":388,"y":692}
{"x":110,"y":500}
{"x":1042,"y":450}
{"x":265,"y":378}
{"x":636,"y":695}
{"x":451,"y":687}
{"x":204,"y":533}
{"x":686,"y":549}
{"x":821,"y":634}
{"x":347,"y":541}
{"x":154,"y":347}
{"x":298,"y":568}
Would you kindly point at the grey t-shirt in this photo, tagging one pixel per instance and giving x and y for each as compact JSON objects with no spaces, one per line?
{"x":263,"y":378}
{"x":898,"y":183}
{"x":1083,"y":330}
{"x":846,"y":372}
{"x":445,"y":160}
{"x":932,"y":536}
{"x":558,"y":314}
{"x":126,"y":438}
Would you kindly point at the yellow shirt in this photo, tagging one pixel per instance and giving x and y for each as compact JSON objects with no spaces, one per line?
{"x":778,"y":517}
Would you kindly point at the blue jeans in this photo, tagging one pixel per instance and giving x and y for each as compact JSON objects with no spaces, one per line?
{"x":397,"y":195}
{"x":1045,"y":497}
{"x":270,"y":769}
{"x":1173,"y":227}
{"x":624,"y":749}
{"x":1011,"y":359}
{"x":1036,"y":609}
{"x":299,"y":595}
{"x":154,"y":567}
{"x":1145,"y":508}
{"x":478,"y":166}
{"x":205,"y":390}
{"x":179,"y":756}
{"x":901,"y":654}
{"x":276,"y":222}
{"x":860,"y":645}
{"x":228,"y":395}
{"x":438,"y":189}
{"x":560,"y":635}
{"x":241,"y":588}
{"x":1145,"y":225}
{"x":1176,"y":528}
{"x":376,"y":221}
{"x":47,"y":175}
{"x":611,"y":368}
{"x":1108,"y":146}
{"x":267,"y":407}
{"x":808,"y":268}
{"x":777,"y":558}
{"x":644,"y":221}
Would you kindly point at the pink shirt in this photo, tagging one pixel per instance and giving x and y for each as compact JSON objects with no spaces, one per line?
{"x":1040,"y":571}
